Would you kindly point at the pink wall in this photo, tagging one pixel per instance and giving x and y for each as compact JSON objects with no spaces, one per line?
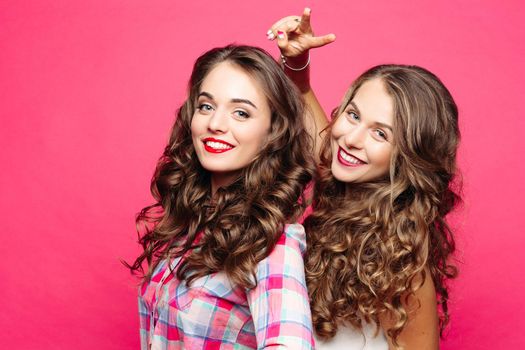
{"x":88,"y":91}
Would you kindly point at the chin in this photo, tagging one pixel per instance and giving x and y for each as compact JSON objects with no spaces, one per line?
{"x":341,"y":175}
{"x":217,"y":169}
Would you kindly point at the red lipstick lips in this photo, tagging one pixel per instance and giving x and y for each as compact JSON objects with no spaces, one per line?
{"x":216,"y":146}
{"x":347,"y":159}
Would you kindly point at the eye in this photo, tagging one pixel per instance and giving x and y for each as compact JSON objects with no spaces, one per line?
{"x":353,"y":116}
{"x":240,"y":114}
{"x":205,"y":107}
{"x":381,"y":134}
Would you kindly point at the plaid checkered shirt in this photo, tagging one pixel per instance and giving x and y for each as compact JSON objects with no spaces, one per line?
{"x":214,"y":314}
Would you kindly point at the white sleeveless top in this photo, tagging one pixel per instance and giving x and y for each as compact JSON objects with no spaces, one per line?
{"x":350,"y":338}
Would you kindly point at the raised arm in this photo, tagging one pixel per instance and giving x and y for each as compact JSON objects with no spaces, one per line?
{"x":295,"y":38}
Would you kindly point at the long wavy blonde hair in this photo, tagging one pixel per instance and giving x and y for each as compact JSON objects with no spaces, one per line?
{"x":368,"y":243}
{"x":245,"y":220}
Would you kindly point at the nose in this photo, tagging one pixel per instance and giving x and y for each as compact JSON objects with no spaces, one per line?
{"x":355,"y":137}
{"x":218,"y":122}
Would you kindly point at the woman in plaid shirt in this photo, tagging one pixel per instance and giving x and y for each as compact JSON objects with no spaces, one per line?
{"x":225,"y":267}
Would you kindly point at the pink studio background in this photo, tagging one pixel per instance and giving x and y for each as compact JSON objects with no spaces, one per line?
{"x":88,"y":91}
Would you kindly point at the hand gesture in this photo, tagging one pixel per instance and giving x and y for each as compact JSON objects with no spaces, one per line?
{"x":295,"y":36}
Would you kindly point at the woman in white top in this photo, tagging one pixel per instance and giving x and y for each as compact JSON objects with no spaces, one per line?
{"x":378,"y":241}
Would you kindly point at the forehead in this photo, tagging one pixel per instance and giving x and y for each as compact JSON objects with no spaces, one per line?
{"x":229,"y":81}
{"x":374,"y":102}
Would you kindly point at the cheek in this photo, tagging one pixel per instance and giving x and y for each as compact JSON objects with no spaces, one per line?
{"x":195,"y":127}
{"x":265,"y":135}
{"x":333,"y":144}
{"x":382,"y":155}
{"x":256,"y":134}
{"x":338,"y":129}
{"x":260,"y":140}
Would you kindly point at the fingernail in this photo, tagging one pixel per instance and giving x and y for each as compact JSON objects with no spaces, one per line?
{"x":271,"y":36}
{"x":269,"y":32}
{"x":280,"y":34}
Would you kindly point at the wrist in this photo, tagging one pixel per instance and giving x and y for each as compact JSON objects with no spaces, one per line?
{"x":296,"y":63}
{"x":297,"y":68}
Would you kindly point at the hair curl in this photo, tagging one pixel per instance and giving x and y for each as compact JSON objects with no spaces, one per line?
{"x":246,"y":218}
{"x":375,"y":240}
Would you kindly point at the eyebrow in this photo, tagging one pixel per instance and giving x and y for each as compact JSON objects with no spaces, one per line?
{"x":234,"y":100}
{"x":355,"y":106}
{"x":376,"y":123}
{"x":386,"y":126}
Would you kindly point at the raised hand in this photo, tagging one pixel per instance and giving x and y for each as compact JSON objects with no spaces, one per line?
{"x":295,"y":36}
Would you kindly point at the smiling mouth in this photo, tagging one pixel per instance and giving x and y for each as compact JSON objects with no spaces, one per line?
{"x":216,"y":146}
{"x":347,"y":159}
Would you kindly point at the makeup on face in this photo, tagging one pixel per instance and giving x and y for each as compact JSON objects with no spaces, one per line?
{"x":231,"y":122}
{"x":361,"y":136}
{"x":213,"y":145}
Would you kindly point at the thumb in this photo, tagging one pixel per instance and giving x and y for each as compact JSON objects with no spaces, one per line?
{"x":318,"y":41}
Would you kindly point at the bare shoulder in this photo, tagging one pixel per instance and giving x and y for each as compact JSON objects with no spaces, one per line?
{"x":422,"y":328}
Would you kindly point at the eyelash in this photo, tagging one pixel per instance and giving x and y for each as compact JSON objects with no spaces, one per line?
{"x":351,"y":114}
{"x":381,"y":133}
{"x":243,"y":116}
{"x":240,"y":114}
{"x":204,"y":107}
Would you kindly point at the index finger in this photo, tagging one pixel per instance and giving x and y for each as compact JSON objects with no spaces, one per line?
{"x":305,"y":25}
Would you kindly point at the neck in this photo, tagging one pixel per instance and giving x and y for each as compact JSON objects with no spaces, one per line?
{"x":219,"y":180}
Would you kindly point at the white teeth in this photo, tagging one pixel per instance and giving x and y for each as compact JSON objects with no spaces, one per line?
{"x":349,"y":158}
{"x":217,"y":145}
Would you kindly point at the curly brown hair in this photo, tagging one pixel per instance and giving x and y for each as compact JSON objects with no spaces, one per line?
{"x":368,"y":243}
{"x":245,"y":220}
